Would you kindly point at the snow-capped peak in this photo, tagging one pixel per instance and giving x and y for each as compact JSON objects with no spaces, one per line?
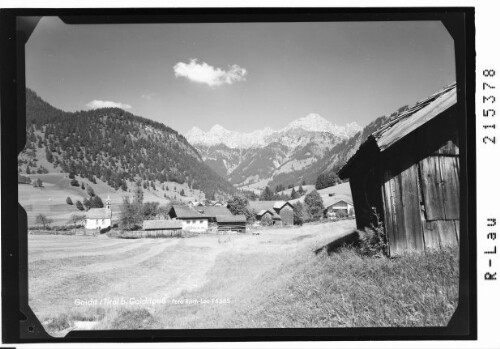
{"x":311,"y":123}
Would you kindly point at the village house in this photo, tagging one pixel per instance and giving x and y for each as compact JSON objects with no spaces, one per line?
{"x":191,"y":219}
{"x":285,"y":210}
{"x":212,"y":211}
{"x":335,"y":207}
{"x":281,"y":212}
{"x":99,"y":218}
{"x":406,"y":175}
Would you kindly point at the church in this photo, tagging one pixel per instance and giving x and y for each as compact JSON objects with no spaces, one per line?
{"x":99,"y":218}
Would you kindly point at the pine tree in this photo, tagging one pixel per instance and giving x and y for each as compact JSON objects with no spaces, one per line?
{"x":96,"y":202}
{"x":83,"y":186}
{"x":90,"y":190}
{"x":138,"y":194}
{"x":48,"y":155}
{"x":267,"y":194}
{"x":182,"y":192}
{"x":69,"y":201}
{"x":79,"y":205}
{"x":301,"y":190}
{"x":87,"y":203}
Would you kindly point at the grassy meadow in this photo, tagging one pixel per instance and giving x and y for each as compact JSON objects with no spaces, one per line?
{"x":274,"y":279}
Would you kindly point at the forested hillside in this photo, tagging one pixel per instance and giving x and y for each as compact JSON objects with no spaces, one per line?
{"x":114,"y":146}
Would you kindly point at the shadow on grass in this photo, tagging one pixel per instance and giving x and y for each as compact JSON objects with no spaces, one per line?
{"x":349,"y":240}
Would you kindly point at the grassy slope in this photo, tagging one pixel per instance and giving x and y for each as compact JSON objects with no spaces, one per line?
{"x":342,"y":290}
{"x":51,"y":199}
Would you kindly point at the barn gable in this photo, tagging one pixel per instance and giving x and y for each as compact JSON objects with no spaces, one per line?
{"x":407,"y":175}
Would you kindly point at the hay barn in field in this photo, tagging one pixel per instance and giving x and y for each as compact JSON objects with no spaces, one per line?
{"x":407,"y":173}
{"x":231,"y":223}
{"x":162,"y":226}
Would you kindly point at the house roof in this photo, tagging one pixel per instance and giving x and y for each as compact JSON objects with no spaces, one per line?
{"x":262,"y":212}
{"x":332,"y":200}
{"x":240,"y":218}
{"x":338,"y":202}
{"x":404,"y":123}
{"x":98,"y":213}
{"x":186,"y":212}
{"x":262,"y":205}
{"x":161,"y":224}
{"x":212,"y":211}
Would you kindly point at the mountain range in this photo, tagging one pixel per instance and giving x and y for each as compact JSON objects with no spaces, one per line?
{"x":119,"y":148}
{"x":269,"y":157}
{"x":114,"y":146}
{"x":312,"y":123}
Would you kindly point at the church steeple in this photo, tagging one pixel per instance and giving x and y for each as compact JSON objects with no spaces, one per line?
{"x":108,"y":203}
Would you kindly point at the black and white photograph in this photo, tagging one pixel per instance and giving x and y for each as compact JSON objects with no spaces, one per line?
{"x":236,"y":175}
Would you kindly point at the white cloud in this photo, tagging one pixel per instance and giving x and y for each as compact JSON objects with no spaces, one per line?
{"x":96,"y":104}
{"x":204,"y":73}
{"x":148,"y":96}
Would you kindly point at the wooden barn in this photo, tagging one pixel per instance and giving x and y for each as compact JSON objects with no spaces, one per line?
{"x":231,"y":223}
{"x":268,"y":217}
{"x":162,"y":227}
{"x":407,"y":174}
{"x":285,"y":210}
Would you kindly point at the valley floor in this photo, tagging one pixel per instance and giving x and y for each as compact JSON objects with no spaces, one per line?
{"x":235,"y":281}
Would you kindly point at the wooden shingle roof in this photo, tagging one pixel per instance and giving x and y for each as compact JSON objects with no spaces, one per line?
{"x":161,"y":224}
{"x":212,"y":211}
{"x":186,"y":212}
{"x":240,"y":218}
{"x":401,"y":125}
{"x":415,"y":116}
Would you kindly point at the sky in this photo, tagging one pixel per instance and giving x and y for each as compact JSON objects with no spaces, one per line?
{"x":243,"y":76}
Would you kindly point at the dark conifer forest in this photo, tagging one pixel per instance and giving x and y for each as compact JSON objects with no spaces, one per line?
{"x":114,"y":146}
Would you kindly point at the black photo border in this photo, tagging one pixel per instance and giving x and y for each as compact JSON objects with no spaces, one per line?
{"x":19,"y":323}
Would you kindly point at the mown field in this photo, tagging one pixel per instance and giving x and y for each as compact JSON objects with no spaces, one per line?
{"x":235,"y":281}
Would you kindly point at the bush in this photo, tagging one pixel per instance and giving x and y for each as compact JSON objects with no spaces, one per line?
{"x":74,"y":183}
{"x":69,"y":201}
{"x":372,"y":241}
{"x":314,"y":205}
{"x":75,"y":219}
{"x":43,"y":220}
